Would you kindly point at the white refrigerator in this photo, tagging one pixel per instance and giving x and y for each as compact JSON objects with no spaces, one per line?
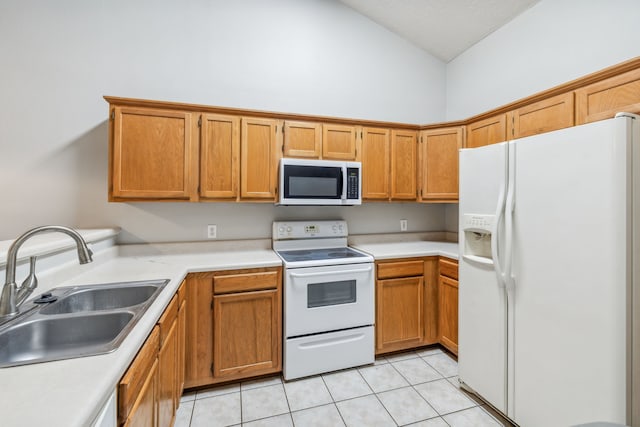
{"x":549,"y":280}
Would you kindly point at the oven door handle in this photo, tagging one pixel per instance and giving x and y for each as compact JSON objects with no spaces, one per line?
{"x":330,"y":273}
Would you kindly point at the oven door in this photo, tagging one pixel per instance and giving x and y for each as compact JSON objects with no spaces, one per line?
{"x":328,"y":298}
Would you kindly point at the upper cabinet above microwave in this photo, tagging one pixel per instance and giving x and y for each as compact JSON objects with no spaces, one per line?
{"x":310,"y":140}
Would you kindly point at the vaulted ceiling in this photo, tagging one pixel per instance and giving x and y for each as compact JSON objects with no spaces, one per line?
{"x":444,"y":28}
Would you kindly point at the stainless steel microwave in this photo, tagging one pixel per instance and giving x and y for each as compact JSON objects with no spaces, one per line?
{"x":320,"y":182}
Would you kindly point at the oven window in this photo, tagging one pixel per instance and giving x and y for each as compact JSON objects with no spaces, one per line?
{"x":331,"y":293}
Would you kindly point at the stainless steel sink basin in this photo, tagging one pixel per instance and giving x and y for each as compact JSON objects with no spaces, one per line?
{"x":101,"y":297}
{"x":58,"y":337}
{"x":84,"y":321}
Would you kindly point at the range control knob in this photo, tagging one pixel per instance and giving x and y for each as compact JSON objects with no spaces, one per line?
{"x":288,"y":229}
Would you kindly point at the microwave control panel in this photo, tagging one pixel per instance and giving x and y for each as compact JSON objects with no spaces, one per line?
{"x":353,"y":183}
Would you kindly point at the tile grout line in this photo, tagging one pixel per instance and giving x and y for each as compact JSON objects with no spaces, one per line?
{"x":333,"y":399}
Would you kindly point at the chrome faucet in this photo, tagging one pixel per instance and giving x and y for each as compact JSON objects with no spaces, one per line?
{"x":12,"y":297}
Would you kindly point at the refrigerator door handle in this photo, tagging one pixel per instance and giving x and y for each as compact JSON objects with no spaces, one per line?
{"x":495,"y":237}
{"x":509,"y":279}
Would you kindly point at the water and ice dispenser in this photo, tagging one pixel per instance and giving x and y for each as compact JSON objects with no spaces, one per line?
{"x":477,"y":235}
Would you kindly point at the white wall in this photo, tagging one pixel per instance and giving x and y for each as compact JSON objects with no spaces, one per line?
{"x":305,"y":56}
{"x":551,"y":43}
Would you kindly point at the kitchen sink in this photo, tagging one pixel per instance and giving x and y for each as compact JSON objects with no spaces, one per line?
{"x":102,"y":297}
{"x":85,"y":320}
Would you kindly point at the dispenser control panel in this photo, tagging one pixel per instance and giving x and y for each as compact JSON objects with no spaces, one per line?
{"x":480,"y":223}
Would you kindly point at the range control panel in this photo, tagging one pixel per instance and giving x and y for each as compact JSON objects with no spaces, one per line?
{"x":308,"y":229}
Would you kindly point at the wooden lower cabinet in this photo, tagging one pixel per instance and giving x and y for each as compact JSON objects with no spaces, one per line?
{"x":416,"y":303}
{"x":149,"y":392}
{"x":247,"y":336}
{"x":399,"y":313}
{"x":448,"y":304}
{"x":137,"y":390}
{"x":167,"y":361}
{"x":143,"y":413}
{"x":234,"y":325}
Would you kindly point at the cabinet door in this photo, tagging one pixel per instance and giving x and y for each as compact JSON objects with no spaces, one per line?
{"x":399,"y":313}
{"x":137,"y":377}
{"x":260,"y":153}
{"x":403,"y":165}
{"x":302,"y":139}
{"x":448,"y":313}
{"x":219,"y":156}
{"x":144,"y":411}
{"x":544,"y":116}
{"x":247,"y":334}
{"x":199,"y":330}
{"x":151,"y":154}
{"x":182,"y":329}
{"x":338,"y":142}
{"x":375,"y":163}
{"x":431,"y":301}
{"x":167,"y":361}
{"x":487,"y":131}
{"x":602,"y":100}
{"x":439,"y":164}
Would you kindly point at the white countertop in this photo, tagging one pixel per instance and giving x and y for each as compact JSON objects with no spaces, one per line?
{"x":69,"y":393}
{"x":405,"y":245}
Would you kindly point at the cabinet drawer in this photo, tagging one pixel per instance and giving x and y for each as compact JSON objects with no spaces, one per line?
{"x":400,"y":269}
{"x":131,"y":383}
{"x":168,"y":317}
{"x":448,"y":268}
{"x":245,"y":282}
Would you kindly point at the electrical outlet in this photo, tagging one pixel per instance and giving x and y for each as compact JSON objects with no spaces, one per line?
{"x":403,"y":225}
{"x":212,"y":231}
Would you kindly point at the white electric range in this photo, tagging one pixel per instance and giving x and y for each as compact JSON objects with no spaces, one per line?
{"x":328,"y":298}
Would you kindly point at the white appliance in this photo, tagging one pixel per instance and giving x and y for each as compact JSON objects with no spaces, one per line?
{"x":328,"y":298}
{"x":320,"y":182}
{"x":549,"y":280}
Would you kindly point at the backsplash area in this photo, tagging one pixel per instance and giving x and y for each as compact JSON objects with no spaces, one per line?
{"x":173,"y":222}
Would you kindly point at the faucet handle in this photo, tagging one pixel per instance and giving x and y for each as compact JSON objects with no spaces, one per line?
{"x":31,"y":282}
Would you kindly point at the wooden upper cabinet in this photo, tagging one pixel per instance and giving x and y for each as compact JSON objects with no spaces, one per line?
{"x":439,"y":164}
{"x":302,"y":139}
{"x":375,"y":163}
{"x":544,"y":116}
{"x":151,"y":154}
{"x":219,"y":156}
{"x":260,"y":152}
{"x":338,"y":142}
{"x":403,"y":164}
{"x":487,"y":131}
{"x":602,"y":100}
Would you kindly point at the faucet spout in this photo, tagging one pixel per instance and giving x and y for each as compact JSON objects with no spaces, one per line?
{"x":11,"y":298}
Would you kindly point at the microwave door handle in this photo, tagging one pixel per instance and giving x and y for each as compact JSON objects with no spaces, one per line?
{"x":343,"y":188}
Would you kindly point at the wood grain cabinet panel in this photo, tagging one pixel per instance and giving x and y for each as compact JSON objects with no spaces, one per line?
{"x":448,"y":304}
{"x":151,"y":154}
{"x":487,"y":131}
{"x":247,"y":334}
{"x":338,"y":142}
{"x":399,"y":313}
{"x":602,"y":100}
{"x":403,"y":164}
{"x":260,"y":152}
{"x":219,"y":156}
{"x":167,"y":378}
{"x":375,"y":163}
{"x":144,"y":411}
{"x":182,"y":330}
{"x":199,"y":330}
{"x":136,"y":382}
{"x":439,"y":164}
{"x":545,"y":116}
{"x":302,"y":139}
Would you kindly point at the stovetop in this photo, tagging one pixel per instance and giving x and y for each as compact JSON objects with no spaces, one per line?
{"x":327,"y":254}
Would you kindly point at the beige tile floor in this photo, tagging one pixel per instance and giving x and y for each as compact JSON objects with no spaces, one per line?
{"x":416,"y":388}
